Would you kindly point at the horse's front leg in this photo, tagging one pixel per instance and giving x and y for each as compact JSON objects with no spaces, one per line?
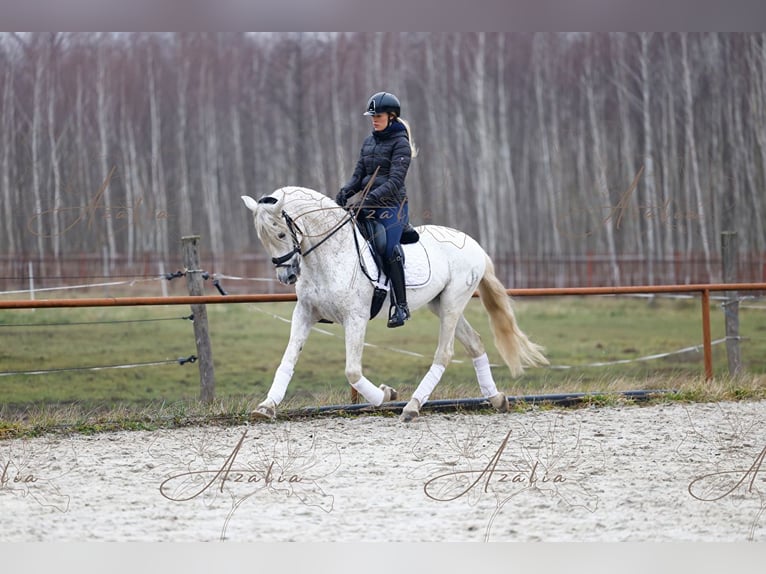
{"x":300,"y":327}
{"x":355,"y":330}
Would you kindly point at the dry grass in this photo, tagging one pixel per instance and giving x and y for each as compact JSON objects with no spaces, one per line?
{"x":77,"y":418}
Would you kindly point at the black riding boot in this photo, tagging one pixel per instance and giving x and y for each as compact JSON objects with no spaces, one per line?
{"x":399,"y":311}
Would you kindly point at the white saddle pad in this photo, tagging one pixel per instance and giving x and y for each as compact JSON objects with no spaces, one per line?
{"x":417,"y":266}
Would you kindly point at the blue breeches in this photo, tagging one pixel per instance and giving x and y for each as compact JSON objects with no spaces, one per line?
{"x":394,"y":219}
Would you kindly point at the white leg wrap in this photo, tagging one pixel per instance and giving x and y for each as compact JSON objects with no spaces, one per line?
{"x":369,"y":391}
{"x":484,"y":375}
{"x":279,"y":386}
{"x":429,"y":382}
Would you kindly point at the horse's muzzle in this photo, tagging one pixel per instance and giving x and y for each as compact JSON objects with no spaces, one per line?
{"x":289,"y":274}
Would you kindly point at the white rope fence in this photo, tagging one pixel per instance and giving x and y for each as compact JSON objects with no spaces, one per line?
{"x":235,"y":278}
{"x":697,"y":348}
{"x":652,"y":357}
{"x":82,"y":286}
{"x":219,"y":276}
{"x":179,"y":361}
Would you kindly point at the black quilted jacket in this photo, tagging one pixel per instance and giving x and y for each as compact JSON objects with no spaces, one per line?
{"x":389,"y":149}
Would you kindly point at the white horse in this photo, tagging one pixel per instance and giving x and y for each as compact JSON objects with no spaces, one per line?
{"x":313,"y":246}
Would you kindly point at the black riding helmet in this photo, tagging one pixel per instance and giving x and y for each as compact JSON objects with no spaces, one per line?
{"x":383,"y":102}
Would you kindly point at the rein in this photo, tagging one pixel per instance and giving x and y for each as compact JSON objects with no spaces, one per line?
{"x":294,"y":230}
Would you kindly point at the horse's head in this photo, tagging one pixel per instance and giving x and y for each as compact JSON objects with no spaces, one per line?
{"x":279,"y":235}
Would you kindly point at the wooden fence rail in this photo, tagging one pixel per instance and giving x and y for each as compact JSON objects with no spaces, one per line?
{"x":704,"y":289}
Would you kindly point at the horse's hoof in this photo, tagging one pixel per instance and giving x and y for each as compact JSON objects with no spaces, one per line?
{"x":266,"y":410}
{"x":389,"y":393}
{"x":410,"y":412}
{"x":500,"y":402}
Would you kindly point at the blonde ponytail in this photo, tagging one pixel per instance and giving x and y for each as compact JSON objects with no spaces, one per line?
{"x":409,"y":136}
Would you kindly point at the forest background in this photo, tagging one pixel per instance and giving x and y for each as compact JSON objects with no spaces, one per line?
{"x":602,"y":158}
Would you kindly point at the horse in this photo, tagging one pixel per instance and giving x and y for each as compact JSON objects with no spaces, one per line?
{"x":315,"y":246}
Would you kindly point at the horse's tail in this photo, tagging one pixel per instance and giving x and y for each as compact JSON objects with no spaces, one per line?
{"x":514,"y":346}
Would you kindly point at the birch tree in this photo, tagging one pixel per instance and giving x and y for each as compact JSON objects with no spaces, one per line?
{"x":691,"y":152}
{"x":159,"y":192}
{"x":599,"y":163}
{"x":650,"y":195}
{"x":8,"y":157}
{"x":104,"y":102}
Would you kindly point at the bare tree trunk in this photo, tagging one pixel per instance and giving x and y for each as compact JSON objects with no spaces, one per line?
{"x":721,"y":206}
{"x":582,"y":223}
{"x":548,"y":194}
{"x":599,"y":168}
{"x":37,"y":175}
{"x":556,"y":176}
{"x":159,"y":193}
{"x":375,"y":60}
{"x":669,"y":168}
{"x":691,"y":146}
{"x":209,"y":161}
{"x":84,"y":183}
{"x":757,"y":64}
{"x":129,"y":182}
{"x":135,"y":167}
{"x":458,"y":194}
{"x":184,"y":193}
{"x":436,"y":170}
{"x":256,"y":88}
{"x":631,"y":227}
{"x":301,"y":171}
{"x":650,"y":194}
{"x":335,"y":121}
{"x":103,"y":131}
{"x":229,"y":144}
{"x":507,"y":210}
{"x":481,"y":163}
{"x":529,"y":236}
{"x":56,"y":169}
{"x":8,"y":128}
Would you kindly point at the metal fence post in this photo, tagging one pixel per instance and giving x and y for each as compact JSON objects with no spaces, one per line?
{"x":729,"y":260}
{"x":707,"y":343}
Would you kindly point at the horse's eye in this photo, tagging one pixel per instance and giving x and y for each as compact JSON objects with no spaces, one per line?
{"x":282,"y":235}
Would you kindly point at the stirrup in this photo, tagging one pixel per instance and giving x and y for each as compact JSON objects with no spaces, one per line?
{"x":397,"y":315}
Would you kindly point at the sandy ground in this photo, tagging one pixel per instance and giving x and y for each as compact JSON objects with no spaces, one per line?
{"x":660,"y":473}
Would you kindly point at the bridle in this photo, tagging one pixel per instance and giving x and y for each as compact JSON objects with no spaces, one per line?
{"x":294,"y":231}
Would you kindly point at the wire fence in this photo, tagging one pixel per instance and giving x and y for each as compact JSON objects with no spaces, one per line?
{"x":515,"y":271}
{"x":217,"y":281}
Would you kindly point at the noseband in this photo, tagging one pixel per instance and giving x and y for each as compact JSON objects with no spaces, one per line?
{"x":294,"y":230}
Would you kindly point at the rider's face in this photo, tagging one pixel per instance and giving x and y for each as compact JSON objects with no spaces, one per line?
{"x":379,"y":122}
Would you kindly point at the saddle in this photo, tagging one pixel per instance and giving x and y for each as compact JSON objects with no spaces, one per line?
{"x":375,"y":235}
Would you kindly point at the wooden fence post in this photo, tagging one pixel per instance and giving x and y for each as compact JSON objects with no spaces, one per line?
{"x":201,"y":335}
{"x":729,"y":260}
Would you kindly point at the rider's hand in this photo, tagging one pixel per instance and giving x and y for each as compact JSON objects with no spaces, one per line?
{"x":342,"y":197}
{"x":370,"y":202}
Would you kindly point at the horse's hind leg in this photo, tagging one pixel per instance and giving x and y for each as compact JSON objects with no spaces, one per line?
{"x":473,"y":344}
{"x":471,"y":340}
{"x":442,"y":357}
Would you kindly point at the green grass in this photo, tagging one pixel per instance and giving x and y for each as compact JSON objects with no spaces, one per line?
{"x":248,"y":341}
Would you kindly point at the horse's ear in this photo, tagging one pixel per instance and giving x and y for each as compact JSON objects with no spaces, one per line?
{"x":250,"y":203}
